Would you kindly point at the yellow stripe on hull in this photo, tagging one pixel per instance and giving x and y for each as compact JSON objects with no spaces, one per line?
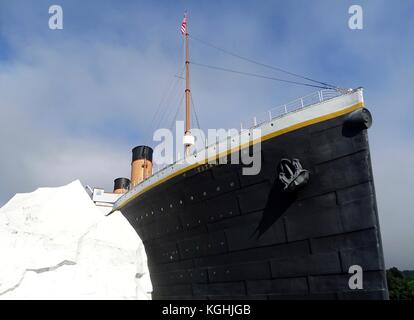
{"x":264,"y":138}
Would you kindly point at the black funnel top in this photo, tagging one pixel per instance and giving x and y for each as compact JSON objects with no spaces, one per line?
{"x":142,"y":152}
{"x":121,"y":183}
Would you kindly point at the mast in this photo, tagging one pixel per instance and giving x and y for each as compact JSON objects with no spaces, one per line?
{"x":187,"y":92}
{"x":187,"y":133}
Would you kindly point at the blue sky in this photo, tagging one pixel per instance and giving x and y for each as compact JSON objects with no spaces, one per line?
{"x":74,"y":102}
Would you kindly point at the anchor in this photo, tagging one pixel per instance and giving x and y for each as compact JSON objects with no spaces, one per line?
{"x":292,"y":174}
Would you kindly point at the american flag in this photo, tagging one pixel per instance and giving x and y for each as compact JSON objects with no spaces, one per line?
{"x":184,"y":25}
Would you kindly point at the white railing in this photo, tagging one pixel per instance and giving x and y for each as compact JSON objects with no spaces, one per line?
{"x":295,"y":105}
{"x":278,"y":112}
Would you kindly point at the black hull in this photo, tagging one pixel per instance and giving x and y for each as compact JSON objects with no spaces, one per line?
{"x":214,"y":233}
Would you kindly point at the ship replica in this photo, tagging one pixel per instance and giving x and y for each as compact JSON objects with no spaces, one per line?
{"x":295,"y":230}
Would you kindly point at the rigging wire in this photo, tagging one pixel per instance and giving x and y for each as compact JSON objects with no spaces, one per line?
{"x":260,"y":63}
{"x":258,"y":75}
{"x":169,"y":113}
{"x":204,"y":141}
{"x":195,"y":112}
{"x":174,"y":95}
{"x":160,"y":116}
{"x":167,"y":93}
{"x":176,"y":113}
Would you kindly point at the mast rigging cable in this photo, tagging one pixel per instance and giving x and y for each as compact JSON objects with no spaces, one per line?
{"x":260,"y":63}
{"x":258,"y":75}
